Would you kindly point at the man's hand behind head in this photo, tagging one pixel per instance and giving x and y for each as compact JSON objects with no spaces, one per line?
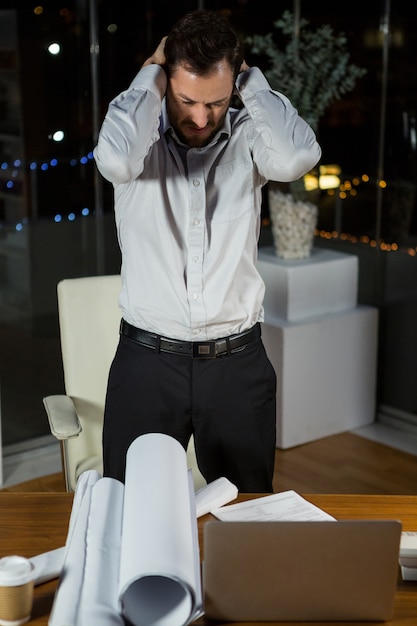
{"x":158,"y":57}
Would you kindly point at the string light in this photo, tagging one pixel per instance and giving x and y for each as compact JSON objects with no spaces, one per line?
{"x":53,"y":161}
{"x":365,"y":240}
{"x":18,"y":166}
{"x":347,"y":188}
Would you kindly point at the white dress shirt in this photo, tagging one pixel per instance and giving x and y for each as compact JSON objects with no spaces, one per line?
{"x":188,"y":220}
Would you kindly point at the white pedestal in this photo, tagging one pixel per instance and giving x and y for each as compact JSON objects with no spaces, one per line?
{"x":322,"y":345}
{"x":326,"y":282}
{"x":326,"y":373}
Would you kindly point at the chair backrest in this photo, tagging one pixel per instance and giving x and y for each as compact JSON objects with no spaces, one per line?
{"x":89,"y":321}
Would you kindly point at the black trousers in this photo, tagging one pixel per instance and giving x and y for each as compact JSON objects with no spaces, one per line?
{"x":228,"y":403}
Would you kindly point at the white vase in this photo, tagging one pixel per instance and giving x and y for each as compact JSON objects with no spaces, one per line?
{"x":293,"y":225}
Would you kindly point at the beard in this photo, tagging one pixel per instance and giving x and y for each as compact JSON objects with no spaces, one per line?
{"x":189,"y":134}
{"x":194,"y":140}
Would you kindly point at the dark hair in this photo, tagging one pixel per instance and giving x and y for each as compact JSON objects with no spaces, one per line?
{"x":200,"y":40}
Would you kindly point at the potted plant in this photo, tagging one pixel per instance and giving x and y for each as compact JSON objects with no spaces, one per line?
{"x":312,"y":68}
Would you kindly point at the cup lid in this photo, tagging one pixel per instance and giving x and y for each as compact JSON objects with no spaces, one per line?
{"x":15,"y":570}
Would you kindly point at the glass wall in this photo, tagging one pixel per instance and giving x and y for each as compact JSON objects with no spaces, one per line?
{"x":62,"y":62}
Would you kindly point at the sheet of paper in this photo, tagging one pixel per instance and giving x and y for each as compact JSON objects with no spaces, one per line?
{"x":285,"y":506}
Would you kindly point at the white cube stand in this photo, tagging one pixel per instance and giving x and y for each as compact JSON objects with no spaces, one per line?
{"x":325,"y":282}
{"x":325,"y":363}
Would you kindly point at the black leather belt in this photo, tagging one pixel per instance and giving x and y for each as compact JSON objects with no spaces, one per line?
{"x":193,"y":349}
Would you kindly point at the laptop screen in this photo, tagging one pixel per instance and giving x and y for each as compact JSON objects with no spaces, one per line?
{"x":300,"y":571}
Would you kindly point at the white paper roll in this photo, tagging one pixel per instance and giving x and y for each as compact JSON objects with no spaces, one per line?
{"x":159,"y":567}
{"x":99,"y":597}
{"x":67,"y":596}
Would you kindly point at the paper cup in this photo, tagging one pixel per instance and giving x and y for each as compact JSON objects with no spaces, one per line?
{"x":16,"y":590}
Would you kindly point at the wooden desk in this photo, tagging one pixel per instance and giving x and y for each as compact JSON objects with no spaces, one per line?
{"x":36,"y":522}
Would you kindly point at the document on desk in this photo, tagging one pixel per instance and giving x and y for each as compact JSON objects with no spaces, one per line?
{"x":132,"y":550}
{"x":285,"y":506}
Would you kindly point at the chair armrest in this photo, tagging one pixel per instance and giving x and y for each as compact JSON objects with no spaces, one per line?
{"x":62,"y":416}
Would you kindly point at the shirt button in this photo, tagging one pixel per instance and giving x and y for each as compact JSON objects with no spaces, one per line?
{"x":196,"y":222}
{"x":195,"y":296}
{"x":196,"y":182}
{"x":195,"y":259}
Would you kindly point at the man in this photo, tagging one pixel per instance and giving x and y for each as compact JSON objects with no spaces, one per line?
{"x":188,"y":170}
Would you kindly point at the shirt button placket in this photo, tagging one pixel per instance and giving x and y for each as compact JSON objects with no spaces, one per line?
{"x":196,"y":239}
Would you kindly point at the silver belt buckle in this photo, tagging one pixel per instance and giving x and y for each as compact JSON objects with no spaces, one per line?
{"x":204,"y":349}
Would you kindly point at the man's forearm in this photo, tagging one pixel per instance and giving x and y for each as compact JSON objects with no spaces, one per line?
{"x":286,"y":146}
{"x":131,"y":126}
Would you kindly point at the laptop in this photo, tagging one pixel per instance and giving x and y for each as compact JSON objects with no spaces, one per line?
{"x":300,"y":571}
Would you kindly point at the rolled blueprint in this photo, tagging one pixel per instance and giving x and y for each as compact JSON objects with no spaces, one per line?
{"x":65,"y":607}
{"x":132,"y":550}
{"x":159,"y":565}
{"x":98,"y":601}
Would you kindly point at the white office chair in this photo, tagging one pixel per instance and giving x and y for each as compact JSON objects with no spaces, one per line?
{"x":89,"y":320}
